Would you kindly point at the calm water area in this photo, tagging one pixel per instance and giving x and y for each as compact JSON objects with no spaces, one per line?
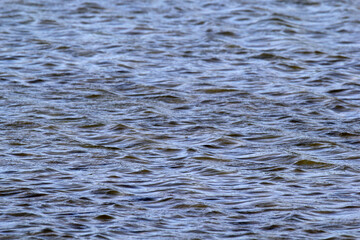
{"x":169,"y":119}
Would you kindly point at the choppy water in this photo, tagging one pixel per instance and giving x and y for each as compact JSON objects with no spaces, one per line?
{"x":180,"y":119}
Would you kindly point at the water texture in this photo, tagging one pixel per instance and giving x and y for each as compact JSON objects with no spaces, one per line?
{"x":156,"y":119}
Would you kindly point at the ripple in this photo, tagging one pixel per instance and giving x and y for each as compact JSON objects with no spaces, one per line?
{"x":160,"y":119}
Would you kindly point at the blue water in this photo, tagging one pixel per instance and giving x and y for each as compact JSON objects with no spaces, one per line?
{"x":179,"y":119}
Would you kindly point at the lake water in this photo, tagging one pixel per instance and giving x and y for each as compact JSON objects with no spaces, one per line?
{"x":156,"y":119}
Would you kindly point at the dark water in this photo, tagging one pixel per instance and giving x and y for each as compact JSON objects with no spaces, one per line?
{"x":144,"y":119}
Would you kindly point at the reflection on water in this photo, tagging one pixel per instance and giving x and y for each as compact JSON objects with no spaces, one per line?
{"x":179,"y":119}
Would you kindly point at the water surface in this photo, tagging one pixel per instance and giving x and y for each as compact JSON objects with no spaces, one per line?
{"x":155,"y":119}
